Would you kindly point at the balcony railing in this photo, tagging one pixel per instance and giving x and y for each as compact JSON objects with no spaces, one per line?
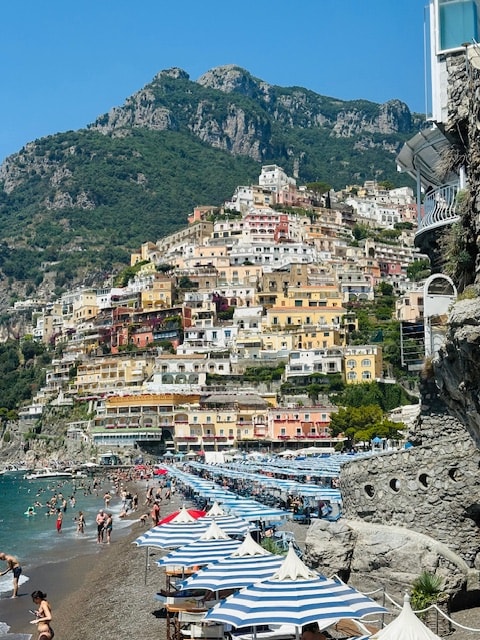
{"x":439,"y":208}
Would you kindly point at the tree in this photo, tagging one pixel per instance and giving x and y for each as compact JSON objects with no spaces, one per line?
{"x":362,"y":424}
{"x":387,"y":185}
{"x":319,"y":187}
{"x":418,"y":270}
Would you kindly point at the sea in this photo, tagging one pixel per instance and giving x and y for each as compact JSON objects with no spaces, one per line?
{"x":33,"y":539}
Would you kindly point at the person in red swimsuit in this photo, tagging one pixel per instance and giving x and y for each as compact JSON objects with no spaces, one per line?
{"x":59,"y":520}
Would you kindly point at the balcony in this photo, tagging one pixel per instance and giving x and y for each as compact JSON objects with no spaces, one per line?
{"x":440,"y":209}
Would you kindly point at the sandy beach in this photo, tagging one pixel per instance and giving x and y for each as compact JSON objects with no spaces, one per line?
{"x":110,"y":591}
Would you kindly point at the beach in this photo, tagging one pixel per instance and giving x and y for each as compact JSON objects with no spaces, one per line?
{"x":110,"y":592}
{"x":102,"y":591}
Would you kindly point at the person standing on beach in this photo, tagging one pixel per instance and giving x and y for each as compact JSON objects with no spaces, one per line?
{"x":155,"y":513}
{"x":109,"y":527}
{"x":13,"y":565}
{"x":59,"y":520}
{"x":44,"y":616}
{"x":100,"y":520}
{"x":80,"y":522}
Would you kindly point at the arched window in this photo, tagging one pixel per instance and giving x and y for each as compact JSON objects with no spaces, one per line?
{"x":366,"y":375}
{"x":351,"y":375}
{"x":366,"y":362}
{"x":351,"y":364}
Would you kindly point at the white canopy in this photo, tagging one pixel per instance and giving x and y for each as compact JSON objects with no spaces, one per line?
{"x":407,"y":626}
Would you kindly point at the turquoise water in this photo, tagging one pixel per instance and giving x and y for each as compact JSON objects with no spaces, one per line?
{"x":34,"y":539}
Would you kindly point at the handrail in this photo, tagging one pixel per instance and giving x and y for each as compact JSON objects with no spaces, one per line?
{"x":400,"y":607}
{"x":439,"y":208}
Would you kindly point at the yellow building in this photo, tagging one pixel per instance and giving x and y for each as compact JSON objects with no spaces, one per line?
{"x":158,"y":294}
{"x":148,"y":251}
{"x":363,"y":363}
{"x":85,"y":306}
{"x":109,"y":373}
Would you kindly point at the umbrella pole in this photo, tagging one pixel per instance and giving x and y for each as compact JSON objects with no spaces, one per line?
{"x":146,"y":565}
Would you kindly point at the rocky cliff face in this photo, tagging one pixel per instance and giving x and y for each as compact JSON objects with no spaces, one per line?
{"x":290,"y":107}
{"x":226,"y":108}
{"x":456,"y":368}
{"x":243,"y":131}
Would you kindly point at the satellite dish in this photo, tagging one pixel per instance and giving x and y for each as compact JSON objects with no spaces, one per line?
{"x":473,"y":56}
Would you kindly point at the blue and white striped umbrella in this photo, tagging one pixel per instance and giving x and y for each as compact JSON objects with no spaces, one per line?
{"x":293,"y":595}
{"x":173,"y":535}
{"x":248,"y":564}
{"x":253,"y":510}
{"x":213,"y":545}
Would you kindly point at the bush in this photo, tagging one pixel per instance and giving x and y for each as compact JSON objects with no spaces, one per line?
{"x":426,"y":590}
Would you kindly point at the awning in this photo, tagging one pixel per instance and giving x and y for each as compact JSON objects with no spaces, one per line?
{"x":424,"y":152}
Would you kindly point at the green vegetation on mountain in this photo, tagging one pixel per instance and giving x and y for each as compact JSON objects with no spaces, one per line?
{"x":77,"y":203}
{"x":22,"y":373}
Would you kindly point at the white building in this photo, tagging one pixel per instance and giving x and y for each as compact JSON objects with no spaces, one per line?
{"x":274,"y":178}
{"x":306,"y":362}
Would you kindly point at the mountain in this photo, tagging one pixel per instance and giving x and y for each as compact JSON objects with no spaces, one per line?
{"x":73,"y":205}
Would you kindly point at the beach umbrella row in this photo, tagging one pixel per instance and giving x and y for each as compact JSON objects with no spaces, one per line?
{"x":179,"y":532}
{"x":246,"y":565}
{"x":294,"y":595}
{"x":213,"y":545}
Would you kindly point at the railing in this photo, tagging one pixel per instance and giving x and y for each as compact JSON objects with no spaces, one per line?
{"x":439,"y":208}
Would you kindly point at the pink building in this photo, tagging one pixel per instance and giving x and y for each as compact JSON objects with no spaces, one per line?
{"x":300,"y":423}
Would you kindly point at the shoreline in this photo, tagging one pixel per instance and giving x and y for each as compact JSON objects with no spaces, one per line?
{"x":104,"y":589}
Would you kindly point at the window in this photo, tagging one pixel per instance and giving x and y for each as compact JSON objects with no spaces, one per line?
{"x":351,"y":364}
{"x":366,"y":375}
{"x":458,"y":23}
{"x":366,"y":362}
{"x":351,"y":375}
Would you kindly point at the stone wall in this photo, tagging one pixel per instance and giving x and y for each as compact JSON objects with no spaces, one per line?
{"x":432,"y":489}
{"x":408,"y":511}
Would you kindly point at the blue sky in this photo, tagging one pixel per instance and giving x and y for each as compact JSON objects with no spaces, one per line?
{"x":65,"y":63}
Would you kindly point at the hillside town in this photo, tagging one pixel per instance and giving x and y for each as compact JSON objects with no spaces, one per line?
{"x":268,"y":280}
